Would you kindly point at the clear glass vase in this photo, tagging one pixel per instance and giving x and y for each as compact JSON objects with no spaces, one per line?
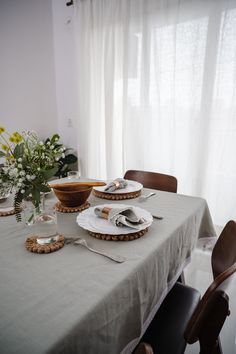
{"x":30,"y":211}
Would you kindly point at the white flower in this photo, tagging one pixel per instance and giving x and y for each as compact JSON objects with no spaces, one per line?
{"x":20,"y":180}
{"x":38,"y":168}
{"x":19,"y":184}
{"x":63,"y":155}
{"x":22,"y":173}
{"x":19,"y":165}
{"x":33,"y":177}
{"x":41,"y":143}
{"x":57,"y":158}
{"x":22,"y":191}
{"x":20,"y":159}
{"x":52,"y":147}
{"x":28,"y":177}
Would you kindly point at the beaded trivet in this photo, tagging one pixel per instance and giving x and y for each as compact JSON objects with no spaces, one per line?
{"x":126,"y":237}
{"x":12,"y":211}
{"x":64,"y":209}
{"x":32,"y":245}
{"x":116,"y":196}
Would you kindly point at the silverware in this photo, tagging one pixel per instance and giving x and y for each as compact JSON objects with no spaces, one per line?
{"x":158,"y":217}
{"x":83,"y":242}
{"x":144,"y":197}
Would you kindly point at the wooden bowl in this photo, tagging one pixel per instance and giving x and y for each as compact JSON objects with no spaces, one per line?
{"x":72,"y":196}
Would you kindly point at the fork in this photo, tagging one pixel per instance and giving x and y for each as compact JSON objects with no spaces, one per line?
{"x":144,"y":197}
{"x":83,"y":242}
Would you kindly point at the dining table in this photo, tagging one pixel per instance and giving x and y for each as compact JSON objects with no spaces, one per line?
{"x":74,"y":301}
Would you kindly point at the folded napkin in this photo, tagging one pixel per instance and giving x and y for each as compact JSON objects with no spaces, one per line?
{"x":120,"y":216}
{"x":118,"y":183}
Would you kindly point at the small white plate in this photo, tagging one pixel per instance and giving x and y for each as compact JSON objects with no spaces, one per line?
{"x":88,"y":220}
{"x":132,"y":186}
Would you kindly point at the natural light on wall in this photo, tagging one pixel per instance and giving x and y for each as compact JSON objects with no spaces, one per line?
{"x":157,"y":92}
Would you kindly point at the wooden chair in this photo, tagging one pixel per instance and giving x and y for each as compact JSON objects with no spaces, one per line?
{"x":224,"y":251}
{"x":183,"y":319}
{"x":153,"y":180}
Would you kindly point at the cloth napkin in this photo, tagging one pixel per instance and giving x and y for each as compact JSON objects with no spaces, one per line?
{"x":118,"y":183}
{"x":120,"y":216}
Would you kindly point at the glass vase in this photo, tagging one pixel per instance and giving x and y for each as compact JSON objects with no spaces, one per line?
{"x":30,"y":211}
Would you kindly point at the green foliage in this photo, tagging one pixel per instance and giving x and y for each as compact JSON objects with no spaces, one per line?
{"x":29,"y":164}
{"x":65,"y":163}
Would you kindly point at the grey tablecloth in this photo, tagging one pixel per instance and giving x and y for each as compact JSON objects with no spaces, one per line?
{"x":75,"y":301}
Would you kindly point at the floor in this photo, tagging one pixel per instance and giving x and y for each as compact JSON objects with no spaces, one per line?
{"x":198,"y":274}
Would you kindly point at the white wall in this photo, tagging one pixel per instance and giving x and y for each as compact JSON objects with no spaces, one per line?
{"x":37,"y":68}
{"x":65,"y":69}
{"x":27,"y":75}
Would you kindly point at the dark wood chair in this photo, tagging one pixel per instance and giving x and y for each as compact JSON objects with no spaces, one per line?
{"x":184,"y":318}
{"x":224,"y":251}
{"x":153,"y":180}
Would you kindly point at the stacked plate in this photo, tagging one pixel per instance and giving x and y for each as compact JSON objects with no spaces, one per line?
{"x":89,"y":221}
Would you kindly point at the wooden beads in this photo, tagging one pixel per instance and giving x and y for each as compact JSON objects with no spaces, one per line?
{"x":116,"y":196}
{"x":8,"y":212}
{"x":32,"y":245}
{"x":64,"y":209}
{"x":126,"y":237}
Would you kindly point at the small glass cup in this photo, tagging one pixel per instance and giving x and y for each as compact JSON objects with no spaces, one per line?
{"x":73,"y":175}
{"x":45,"y":226}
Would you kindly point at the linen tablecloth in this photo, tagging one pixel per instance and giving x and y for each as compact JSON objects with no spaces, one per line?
{"x":74,"y":301}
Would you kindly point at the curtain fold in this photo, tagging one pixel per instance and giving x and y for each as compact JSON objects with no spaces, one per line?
{"x":157,"y":91}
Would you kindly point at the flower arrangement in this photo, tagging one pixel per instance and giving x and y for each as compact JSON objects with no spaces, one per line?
{"x":29,"y":164}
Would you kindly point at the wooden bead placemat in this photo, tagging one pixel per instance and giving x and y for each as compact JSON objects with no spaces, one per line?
{"x":32,"y":245}
{"x":126,"y":237}
{"x":64,"y":209}
{"x":8,"y":212}
{"x":116,"y":196}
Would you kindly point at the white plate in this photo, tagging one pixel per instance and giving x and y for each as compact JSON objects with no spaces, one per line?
{"x":131,"y":187}
{"x":88,"y":220}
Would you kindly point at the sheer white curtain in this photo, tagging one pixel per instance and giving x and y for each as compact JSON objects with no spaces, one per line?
{"x":157,"y":91}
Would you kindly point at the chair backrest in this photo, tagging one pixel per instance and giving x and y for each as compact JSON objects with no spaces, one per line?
{"x":143,"y":348}
{"x":153,"y":180}
{"x":210,"y":314}
{"x":224,"y":251}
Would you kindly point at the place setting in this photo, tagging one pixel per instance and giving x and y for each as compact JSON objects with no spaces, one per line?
{"x":118,"y":189}
{"x":115,"y":222}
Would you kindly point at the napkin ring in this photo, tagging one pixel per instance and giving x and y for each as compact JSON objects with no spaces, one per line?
{"x":105,"y":212}
{"x":117,"y":184}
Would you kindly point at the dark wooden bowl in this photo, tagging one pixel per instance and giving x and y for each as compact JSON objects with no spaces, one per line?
{"x":72,"y":196}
